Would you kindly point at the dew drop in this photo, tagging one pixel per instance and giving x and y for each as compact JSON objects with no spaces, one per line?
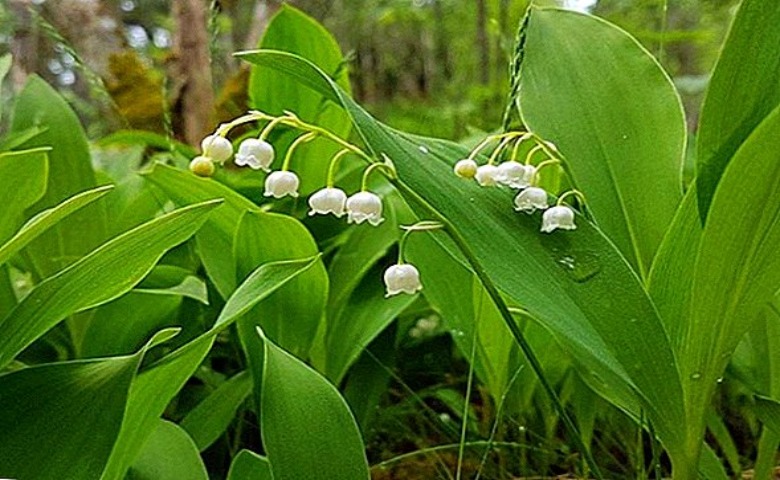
{"x":695,"y":376}
{"x":633,"y":320}
{"x":458,"y":333}
{"x":423,"y":149}
{"x":581,"y":266}
{"x":720,"y":380}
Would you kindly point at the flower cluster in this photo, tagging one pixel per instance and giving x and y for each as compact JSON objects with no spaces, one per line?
{"x":259,"y":154}
{"x":361,"y":207}
{"x":521,"y":176}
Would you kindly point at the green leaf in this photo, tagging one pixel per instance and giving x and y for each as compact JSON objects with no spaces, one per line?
{"x":120,"y":326}
{"x":623,"y":139}
{"x":155,"y":387}
{"x":48,"y":218}
{"x":743,"y":91}
{"x":307,"y":428}
{"x":292,"y":315}
{"x":168,"y":454}
{"x":576,"y":283}
{"x":365,"y":316}
{"x":26,"y":171}
{"x":50,"y":429}
{"x":768,"y":410}
{"x":207,"y":421}
{"x":5,"y":66}
{"x":737,"y":268}
{"x":293,"y":31}
{"x":101,"y":276}
{"x":248,"y":465}
{"x":671,"y":278}
{"x":215,"y":239}
{"x":70,"y":172}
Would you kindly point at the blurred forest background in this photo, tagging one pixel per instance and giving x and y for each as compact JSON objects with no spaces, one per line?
{"x":434,"y":67}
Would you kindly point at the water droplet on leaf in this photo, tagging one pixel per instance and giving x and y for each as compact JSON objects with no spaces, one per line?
{"x":581,"y":266}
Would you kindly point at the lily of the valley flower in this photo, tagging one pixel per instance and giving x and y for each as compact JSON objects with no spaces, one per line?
{"x":328,"y":200}
{"x":202,"y":166}
{"x":402,"y":278}
{"x":217,"y":148}
{"x":281,"y":183}
{"x":531,"y":199}
{"x":487,"y":175}
{"x":255,"y":153}
{"x":466,"y":168}
{"x":515,"y":174}
{"x":559,"y":216}
{"x":364,"y":206}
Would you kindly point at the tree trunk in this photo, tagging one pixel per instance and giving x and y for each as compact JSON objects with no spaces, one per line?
{"x":191,"y":70}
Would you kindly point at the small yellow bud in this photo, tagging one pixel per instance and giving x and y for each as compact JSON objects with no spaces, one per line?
{"x":466,"y":168}
{"x":202,"y":166}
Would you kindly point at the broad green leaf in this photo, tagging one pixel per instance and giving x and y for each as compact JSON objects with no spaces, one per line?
{"x":623,"y":138}
{"x":215,"y":239}
{"x":119,"y":326}
{"x":154,"y":388}
{"x":365,"y":316}
{"x":768,"y":410}
{"x":49,"y":421}
{"x":307,"y":428}
{"x":576,"y":283}
{"x":23,"y":181}
{"x":292,"y":315}
{"x":207,"y":421}
{"x":70,"y":172}
{"x":168,"y":454}
{"x":743,"y":91}
{"x":671,"y":278}
{"x":248,"y":465}
{"x":47,"y":218}
{"x":293,"y":31}
{"x":737,"y":268}
{"x":101,"y":276}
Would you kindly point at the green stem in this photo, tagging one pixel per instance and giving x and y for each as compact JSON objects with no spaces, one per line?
{"x":332,"y":167}
{"x":371,"y":168}
{"x":516,"y":148}
{"x":509,"y":320}
{"x":575,"y":193}
{"x":269,"y":127}
{"x":531,"y":152}
{"x":499,"y":149}
{"x":539,"y":168}
{"x":306,"y":137}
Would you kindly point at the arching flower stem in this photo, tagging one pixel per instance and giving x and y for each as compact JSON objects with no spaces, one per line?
{"x":552,"y":161}
{"x":331,"y":180}
{"x":570,"y":193}
{"x":306,"y":137}
{"x":364,"y":183}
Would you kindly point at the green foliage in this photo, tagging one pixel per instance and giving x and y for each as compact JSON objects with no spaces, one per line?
{"x":223,"y":335}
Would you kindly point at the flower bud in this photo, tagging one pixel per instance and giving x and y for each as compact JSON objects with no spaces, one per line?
{"x":217,"y":148}
{"x":402,"y":278}
{"x":364,"y":206}
{"x":202,"y":166}
{"x":530,"y":199}
{"x":466,"y":168}
{"x":559,"y":216}
{"x":281,"y":183}
{"x":255,"y":153}
{"x":328,"y":200}
{"x":487,"y":175}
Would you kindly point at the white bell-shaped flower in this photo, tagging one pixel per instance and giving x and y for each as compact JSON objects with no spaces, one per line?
{"x":515,"y":174}
{"x":328,"y":200}
{"x":531,"y":199}
{"x":402,"y":278}
{"x":202,"y":166}
{"x":487,"y":175}
{"x":281,"y":183}
{"x":217,"y":148}
{"x":466,"y":168}
{"x":559,"y":216}
{"x":364,"y":206}
{"x":255,"y":153}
